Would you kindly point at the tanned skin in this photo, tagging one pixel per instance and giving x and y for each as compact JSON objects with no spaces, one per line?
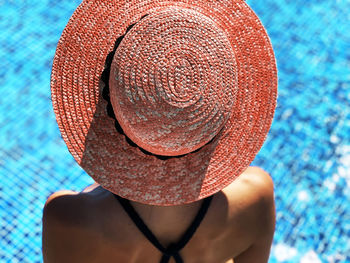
{"x":92,"y":227}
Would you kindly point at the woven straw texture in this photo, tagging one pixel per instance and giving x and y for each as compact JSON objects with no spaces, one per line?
{"x":194,"y":81}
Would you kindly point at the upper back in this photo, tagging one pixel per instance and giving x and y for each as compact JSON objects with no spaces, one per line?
{"x":95,"y":228}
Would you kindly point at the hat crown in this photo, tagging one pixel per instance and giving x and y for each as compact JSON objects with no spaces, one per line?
{"x":179,"y":94}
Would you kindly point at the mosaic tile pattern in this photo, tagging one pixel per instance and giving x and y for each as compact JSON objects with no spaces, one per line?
{"x":307,"y":151}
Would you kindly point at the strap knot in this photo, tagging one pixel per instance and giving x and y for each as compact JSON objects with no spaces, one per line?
{"x":171,"y":250}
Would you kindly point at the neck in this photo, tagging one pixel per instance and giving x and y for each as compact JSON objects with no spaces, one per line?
{"x":151,"y":211}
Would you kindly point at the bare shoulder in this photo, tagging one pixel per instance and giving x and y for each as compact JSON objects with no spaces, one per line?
{"x":68,"y":203}
{"x":259,"y":193}
{"x":70,"y":208}
{"x":65,"y":222}
{"x":259,"y":180}
{"x":252,"y":194}
{"x":257,"y":177}
{"x":251,"y":200}
{"x":61,"y":206}
{"x":254,"y":184}
{"x":59,"y":195}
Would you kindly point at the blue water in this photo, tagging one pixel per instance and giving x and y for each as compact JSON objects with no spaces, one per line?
{"x":307,"y":151}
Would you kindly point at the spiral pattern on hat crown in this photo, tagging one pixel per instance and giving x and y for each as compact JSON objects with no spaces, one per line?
{"x":173,"y":81}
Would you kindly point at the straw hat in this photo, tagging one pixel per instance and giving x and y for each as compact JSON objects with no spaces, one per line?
{"x":164,"y":102}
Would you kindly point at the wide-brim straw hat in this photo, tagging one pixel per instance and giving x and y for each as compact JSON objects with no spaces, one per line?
{"x":164,"y":102}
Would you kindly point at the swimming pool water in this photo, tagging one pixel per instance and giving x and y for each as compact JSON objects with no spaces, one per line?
{"x":307,"y":151}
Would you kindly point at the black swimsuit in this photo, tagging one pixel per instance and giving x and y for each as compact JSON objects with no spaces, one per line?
{"x":173,"y":249}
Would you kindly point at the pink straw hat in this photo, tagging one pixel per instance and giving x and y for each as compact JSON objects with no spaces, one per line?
{"x":164,"y":102}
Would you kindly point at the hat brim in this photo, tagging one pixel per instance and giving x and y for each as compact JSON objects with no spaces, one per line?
{"x":106,"y":155}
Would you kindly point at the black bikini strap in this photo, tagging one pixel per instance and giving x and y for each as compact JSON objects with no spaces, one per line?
{"x":195,"y":224}
{"x":173,"y":249}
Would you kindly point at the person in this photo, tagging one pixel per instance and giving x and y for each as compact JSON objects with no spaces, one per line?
{"x":169,"y":145}
{"x":92,"y":227}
